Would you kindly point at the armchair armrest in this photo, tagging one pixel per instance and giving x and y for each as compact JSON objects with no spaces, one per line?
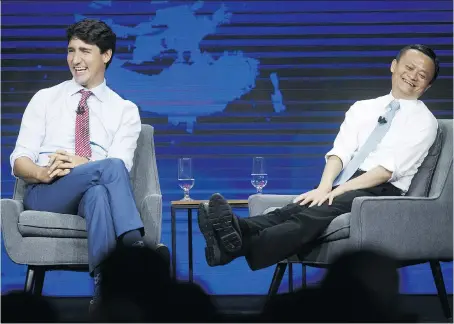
{"x":259,"y":203}
{"x":410,"y":228}
{"x":150,"y":210}
{"x":11,"y":210}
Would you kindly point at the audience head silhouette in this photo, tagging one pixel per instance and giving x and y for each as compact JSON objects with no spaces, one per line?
{"x":21,"y":307}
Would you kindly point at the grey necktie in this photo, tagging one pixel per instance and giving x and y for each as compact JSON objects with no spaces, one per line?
{"x":371,"y":143}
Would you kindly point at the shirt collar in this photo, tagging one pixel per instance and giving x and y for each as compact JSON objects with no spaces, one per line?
{"x":99,"y":91}
{"x":390,"y":98}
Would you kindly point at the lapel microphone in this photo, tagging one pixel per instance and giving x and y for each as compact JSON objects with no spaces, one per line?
{"x":382,"y":120}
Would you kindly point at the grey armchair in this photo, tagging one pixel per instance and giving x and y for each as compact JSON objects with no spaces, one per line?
{"x":416,"y":228}
{"x":49,"y":241}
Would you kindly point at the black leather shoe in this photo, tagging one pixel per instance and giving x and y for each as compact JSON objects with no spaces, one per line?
{"x":164,"y":252}
{"x":138,"y":244}
{"x":213,"y":254}
{"x":225,"y":224}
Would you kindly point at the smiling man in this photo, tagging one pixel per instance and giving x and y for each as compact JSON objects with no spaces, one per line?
{"x":379,"y":148}
{"x":76,"y":145}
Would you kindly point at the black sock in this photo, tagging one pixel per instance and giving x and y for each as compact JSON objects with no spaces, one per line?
{"x":244,"y":227}
{"x":96,"y":271}
{"x":245,"y":237}
{"x":131,"y":237}
{"x":244,"y":246}
{"x":97,"y":282}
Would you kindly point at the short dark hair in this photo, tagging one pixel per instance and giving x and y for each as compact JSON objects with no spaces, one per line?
{"x":94,"y":32}
{"x":425,"y":50}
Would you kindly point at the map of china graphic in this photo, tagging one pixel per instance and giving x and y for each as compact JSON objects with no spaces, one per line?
{"x":196,"y":83}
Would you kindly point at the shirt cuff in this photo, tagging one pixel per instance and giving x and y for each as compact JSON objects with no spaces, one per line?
{"x":343,"y":157}
{"x":390,"y":165}
{"x":15,"y":156}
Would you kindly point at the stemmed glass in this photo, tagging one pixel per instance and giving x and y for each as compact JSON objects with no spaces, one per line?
{"x":259,"y":177}
{"x":185,"y":177}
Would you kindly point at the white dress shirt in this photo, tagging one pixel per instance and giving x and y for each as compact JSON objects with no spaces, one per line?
{"x":402,"y":149}
{"x":48,"y":124}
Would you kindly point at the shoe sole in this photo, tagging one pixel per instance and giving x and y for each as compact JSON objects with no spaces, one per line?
{"x":220,"y":215}
{"x":212,"y":252}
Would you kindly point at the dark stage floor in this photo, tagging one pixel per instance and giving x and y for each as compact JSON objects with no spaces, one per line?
{"x":244,"y":308}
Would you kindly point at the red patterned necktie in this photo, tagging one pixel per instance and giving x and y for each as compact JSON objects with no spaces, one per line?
{"x":82,"y":139}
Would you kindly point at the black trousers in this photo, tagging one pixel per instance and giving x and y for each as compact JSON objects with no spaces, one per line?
{"x":270,"y":238}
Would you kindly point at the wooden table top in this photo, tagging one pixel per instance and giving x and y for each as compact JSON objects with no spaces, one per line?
{"x":183,"y":203}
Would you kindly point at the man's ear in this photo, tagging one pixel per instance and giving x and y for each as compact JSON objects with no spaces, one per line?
{"x":106,"y":56}
{"x":393,"y":65}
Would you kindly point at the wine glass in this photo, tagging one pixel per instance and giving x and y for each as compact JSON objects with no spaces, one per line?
{"x":259,"y":175}
{"x":185,"y":178}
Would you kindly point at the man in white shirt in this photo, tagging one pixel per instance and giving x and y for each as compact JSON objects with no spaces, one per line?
{"x":385,"y":170}
{"x":76,"y":145}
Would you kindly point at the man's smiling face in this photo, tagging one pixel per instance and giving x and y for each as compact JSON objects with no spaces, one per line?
{"x":411,"y":75}
{"x":87,"y":63}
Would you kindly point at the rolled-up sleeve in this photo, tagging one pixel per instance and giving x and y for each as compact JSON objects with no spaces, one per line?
{"x":32,"y":130}
{"x":346,"y":141}
{"x":125,"y":140}
{"x":406,"y":153}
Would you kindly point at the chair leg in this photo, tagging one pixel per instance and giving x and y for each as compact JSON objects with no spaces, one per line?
{"x":441,"y":289}
{"x":290,"y":277}
{"x":39,"y":281}
{"x":303,"y":277}
{"x":29,"y":280}
{"x":34,"y":280}
{"x":277,"y":278}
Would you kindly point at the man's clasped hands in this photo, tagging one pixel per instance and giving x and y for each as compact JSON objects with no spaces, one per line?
{"x":60,"y":164}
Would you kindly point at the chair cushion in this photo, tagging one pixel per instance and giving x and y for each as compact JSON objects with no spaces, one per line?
{"x":420,"y":184}
{"x":338,"y":229}
{"x":46,"y":224}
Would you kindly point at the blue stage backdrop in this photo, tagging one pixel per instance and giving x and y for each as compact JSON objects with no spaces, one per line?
{"x":222,"y":82}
